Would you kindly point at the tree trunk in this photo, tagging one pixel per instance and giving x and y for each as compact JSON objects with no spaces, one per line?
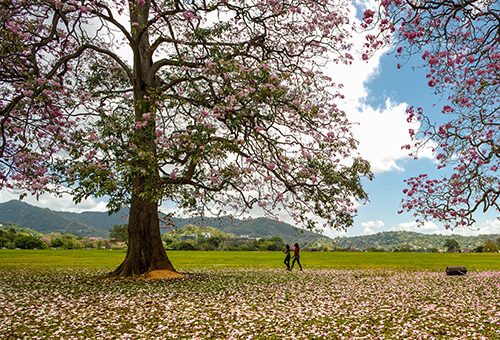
{"x":145,"y":248}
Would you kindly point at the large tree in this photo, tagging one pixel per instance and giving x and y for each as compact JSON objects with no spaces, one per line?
{"x":458,"y":43}
{"x":217,"y":105}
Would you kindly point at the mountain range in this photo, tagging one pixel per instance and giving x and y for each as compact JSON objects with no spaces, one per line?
{"x":99,"y":224}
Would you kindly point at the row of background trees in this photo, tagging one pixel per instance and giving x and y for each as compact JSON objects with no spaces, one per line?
{"x":14,"y":237}
{"x":193,"y":237}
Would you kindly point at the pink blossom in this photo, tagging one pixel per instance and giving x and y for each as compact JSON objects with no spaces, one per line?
{"x":433,"y":60}
{"x":188,"y":15}
{"x":471,"y":81}
{"x":90,"y":155}
{"x":271,"y":166}
{"x":140,"y":125}
{"x":447,"y":109}
{"x":173,"y":174}
{"x":368,"y":14}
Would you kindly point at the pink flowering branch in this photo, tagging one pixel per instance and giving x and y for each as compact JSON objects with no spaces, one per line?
{"x":457,"y":42}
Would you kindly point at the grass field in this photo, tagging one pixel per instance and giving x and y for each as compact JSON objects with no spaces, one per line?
{"x":188,"y":260}
{"x":248,"y":295}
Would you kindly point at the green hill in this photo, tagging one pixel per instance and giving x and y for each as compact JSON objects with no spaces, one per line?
{"x":44,"y":220}
{"x":258,"y":227}
{"x":390,"y":240}
{"x":99,"y":223}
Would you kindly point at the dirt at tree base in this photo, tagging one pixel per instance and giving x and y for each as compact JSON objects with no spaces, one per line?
{"x":163,"y":274}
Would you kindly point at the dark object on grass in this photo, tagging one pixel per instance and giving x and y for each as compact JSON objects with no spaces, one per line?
{"x":456,"y":270}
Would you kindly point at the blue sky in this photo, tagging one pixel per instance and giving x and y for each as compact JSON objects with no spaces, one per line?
{"x":377,"y":94}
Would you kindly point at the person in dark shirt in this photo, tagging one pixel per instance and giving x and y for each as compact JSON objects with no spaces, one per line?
{"x":296,"y":256}
{"x":287,"y":257}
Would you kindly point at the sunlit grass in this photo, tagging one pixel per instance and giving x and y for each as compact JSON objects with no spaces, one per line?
{"x":188,"y":260}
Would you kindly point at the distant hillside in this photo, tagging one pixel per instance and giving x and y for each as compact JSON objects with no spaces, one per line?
{"x":390,"y":240}
{"x":45,"y":220}
{"x":258,"y":227}
{"x":99,"y":223}
{"x":100,"y":220}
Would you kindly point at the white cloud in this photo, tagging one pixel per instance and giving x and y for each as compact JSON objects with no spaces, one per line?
{"x":64,"y":203}
{"x":427,"y":228}
{"x":381,"y":134}
{"x":370,"y":227}
{"x":368,"y":231}
{"x":487,"y":227}
{"x":373,"y":224}
{"x":382,"y":131}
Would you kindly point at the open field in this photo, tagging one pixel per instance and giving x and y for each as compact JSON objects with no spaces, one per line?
{"x":188,"y":260}
{"x":59,"y":294}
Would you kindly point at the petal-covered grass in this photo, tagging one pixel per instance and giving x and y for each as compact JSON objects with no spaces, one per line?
{"x":250,"y":303}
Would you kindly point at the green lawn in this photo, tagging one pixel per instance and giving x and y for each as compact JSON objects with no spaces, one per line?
{"x":188,"y":260}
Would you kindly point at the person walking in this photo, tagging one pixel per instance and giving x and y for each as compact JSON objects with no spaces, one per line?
{"x":296,"y":256}
{"x":287,"y":257}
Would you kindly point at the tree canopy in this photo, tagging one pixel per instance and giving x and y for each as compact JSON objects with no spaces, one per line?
{"x":222,"y":105}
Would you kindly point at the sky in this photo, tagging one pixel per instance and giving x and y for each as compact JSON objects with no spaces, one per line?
{"x":376,"y":97}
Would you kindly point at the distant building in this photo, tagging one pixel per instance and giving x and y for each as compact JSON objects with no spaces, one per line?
{"x":185,"y":237}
